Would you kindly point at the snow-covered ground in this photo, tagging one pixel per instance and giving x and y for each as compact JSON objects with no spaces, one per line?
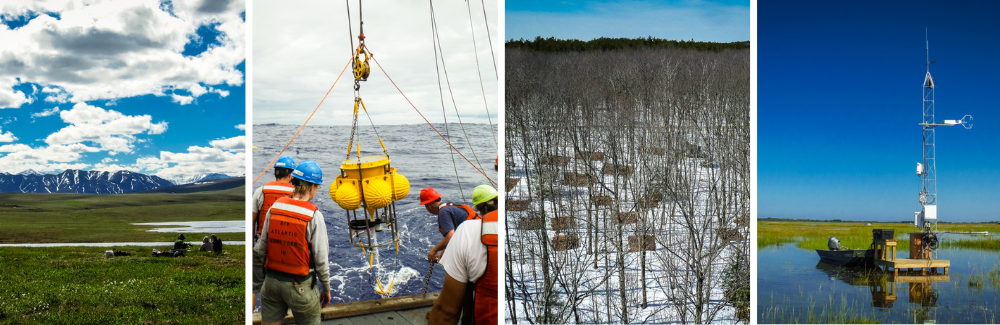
{"x":590,"y":277}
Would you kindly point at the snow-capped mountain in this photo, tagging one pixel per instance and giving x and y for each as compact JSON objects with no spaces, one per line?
{"x":199,"y":178}
{"x":29,"y":172}
{"x":80,"y":181}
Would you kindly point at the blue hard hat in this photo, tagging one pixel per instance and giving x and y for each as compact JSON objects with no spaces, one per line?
{"x":285,"y":162}
{"x":309,"y":171}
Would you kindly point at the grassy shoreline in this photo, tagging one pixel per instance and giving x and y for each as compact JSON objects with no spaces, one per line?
{"x":88,"y":218}
{"x":814,"y":235}
{"x":78,"y":285}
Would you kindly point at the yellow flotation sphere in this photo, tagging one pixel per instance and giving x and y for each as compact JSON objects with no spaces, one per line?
{"x":401,"y":186}
{"x":333,"y":189}
{"x":348,"y":196}
{"x":378,"y":193}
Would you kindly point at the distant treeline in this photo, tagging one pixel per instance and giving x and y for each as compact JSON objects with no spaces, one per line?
{"x":553,"y":44}
{"x":853,"y":221}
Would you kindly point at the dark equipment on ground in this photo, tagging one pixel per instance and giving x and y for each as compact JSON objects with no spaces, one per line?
{"x":366,"y":224}
{"x":882,"y":234}
{"x":170,"y":253}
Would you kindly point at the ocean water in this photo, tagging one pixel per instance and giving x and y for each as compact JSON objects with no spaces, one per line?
{"x":418,"y":153}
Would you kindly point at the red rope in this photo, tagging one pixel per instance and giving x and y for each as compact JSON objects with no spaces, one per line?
{"x":432,"y":125}
{"x":303,"y":124}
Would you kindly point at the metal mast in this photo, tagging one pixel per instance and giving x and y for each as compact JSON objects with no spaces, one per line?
{"x":928,"y":172}
{"x":927,"y":169}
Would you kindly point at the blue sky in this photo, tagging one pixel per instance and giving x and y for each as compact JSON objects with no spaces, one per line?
{"x":713,"y":21}
{"x":839,"y":99}
{"x":155,"y":87}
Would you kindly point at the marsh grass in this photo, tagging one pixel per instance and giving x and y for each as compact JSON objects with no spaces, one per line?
{"x":832,"y":311}
{"x":772,"y":241}
{"x":814,"y":235}
{"x":66,"y":218}
{"x":977,"y":243}
{"x":78,"y":285}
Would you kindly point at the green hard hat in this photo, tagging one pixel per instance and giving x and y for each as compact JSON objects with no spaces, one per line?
{"x":483,"y":193}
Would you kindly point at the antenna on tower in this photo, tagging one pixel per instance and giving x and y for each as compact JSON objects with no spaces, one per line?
{"x":928,"y":48}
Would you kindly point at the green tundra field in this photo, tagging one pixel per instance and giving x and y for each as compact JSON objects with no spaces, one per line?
{"x":79,"y":285}
{"x":88,"y":218}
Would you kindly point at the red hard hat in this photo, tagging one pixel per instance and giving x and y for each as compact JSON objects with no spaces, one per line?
{"x":428,"y":195}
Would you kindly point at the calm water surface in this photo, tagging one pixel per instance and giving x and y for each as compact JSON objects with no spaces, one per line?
{"x":793,"y":285}
{"x":235,"y":226}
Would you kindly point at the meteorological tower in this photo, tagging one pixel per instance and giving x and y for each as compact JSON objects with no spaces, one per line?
{"x":926,"y":218}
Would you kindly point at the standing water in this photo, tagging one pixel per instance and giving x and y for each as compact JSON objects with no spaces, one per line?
{"x":793,"y":286}
{"x":418,"y":153}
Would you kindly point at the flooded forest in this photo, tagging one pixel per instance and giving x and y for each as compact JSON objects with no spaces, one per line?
{"x":628,"y":186}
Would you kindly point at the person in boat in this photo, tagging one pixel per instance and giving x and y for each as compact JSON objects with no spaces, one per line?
{"x":292,"y":252}
{"x":264,"y":196}
{"x":206,"y":245}
{"x":449,"y":217}
{"x":471,"y":265}
{"x":216,"y":244}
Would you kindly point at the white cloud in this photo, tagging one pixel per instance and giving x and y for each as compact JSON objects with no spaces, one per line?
{"x":14,"y":147}
{"x":241,"y":127}
{"x":108,"y":160}
{"x":232,"y":144}
{"x":197,"y":160}
{"x":10,"y":98}
{"x":157,"y":128}
{"x":45,"y":159}
{"x":47,"y":112}
{"x":303,"y":58}
{"x":110,"y":129}
{"x":7,"y":136}
{"x":102,"y":49}
{"x":58,"y":98}
{"x":183,"y":100}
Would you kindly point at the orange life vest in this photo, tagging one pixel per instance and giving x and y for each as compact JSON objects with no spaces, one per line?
{"x":486,"y":287}
{"x":471,"y":211}
{"x":287,"y":240}
{"x":272,"y":192}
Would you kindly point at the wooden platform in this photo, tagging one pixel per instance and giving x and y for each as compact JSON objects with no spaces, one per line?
{"x":920,"y":278}
{"x":402,"y":317}
{"x":397,"y":310}
{"x":907,"y":263}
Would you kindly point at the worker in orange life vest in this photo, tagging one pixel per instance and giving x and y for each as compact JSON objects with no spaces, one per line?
{"x":264,"y":196}
{"x":449,"y":217}
{"x":471,"y":266}
{"x":292,"y":252}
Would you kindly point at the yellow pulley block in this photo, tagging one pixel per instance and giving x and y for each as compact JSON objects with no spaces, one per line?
{"x":361,"y":68}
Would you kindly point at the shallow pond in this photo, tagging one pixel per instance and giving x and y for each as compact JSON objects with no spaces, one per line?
{"x":793,"y":286}
{"x":234,"y":226}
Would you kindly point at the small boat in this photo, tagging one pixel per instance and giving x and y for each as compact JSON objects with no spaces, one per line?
{"x":847,"y":257}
